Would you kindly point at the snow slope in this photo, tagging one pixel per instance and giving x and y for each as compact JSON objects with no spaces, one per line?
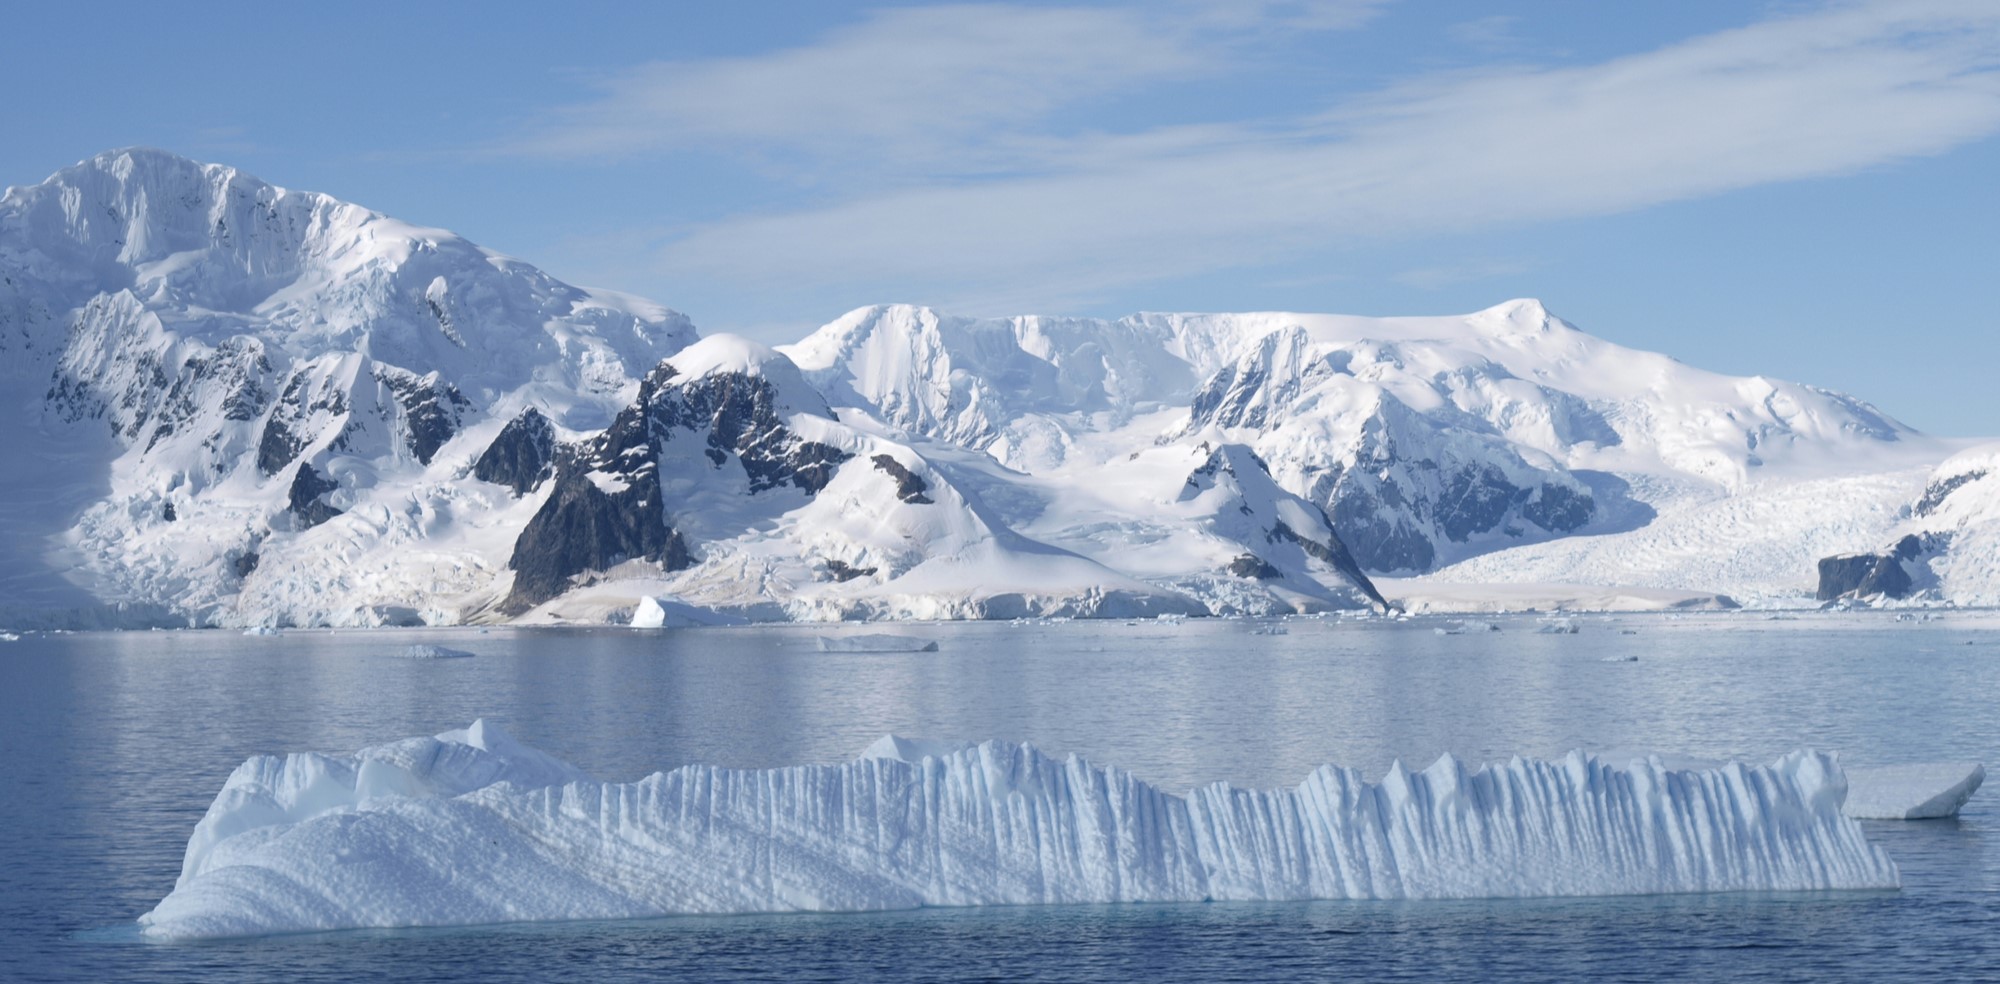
{"x":470,"y":827}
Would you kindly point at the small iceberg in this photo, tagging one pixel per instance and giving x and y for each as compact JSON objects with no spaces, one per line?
{"x":1620,"y":658}
{"x":428,"y":651}
{"x":1911,"y":792}
{"x":261,"y":630}
{"x":1465,"y":626}
{"x":672,"y":613}
{"x":876,"y":642}
{"x":1270,"y":630}
{"x":472,"y":827}
{"x":1558,"y":626}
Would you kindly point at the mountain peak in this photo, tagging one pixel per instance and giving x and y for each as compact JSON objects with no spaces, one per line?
{"x":724,"y":353}
{"x":122,"y":165}
{"x":734,"y":355}
{"x":1520,"y":316}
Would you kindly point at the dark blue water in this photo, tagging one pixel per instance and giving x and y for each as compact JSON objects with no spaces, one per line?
{"x":115,"y":743}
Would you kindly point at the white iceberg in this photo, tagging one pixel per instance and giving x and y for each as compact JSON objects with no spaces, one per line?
{"x":471,"y":827}
{"x":876,"y":642}
{"x":428,"y":651}
{"x":1558,"y":626}
{"x":261,"y":630}
{"x":672,"y":613}
{"x":1911,"y":792}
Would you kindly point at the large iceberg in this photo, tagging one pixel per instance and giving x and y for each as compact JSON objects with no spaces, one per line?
{"x":472,"y":827}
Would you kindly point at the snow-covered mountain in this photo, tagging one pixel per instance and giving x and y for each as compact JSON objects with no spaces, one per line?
{"x":289,"y":384}
{"x":1430,"y":442}
{"x":251,"y":405}
{"x":241,"y":404}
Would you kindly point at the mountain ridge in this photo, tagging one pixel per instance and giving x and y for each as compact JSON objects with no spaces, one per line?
{"x":281,"y":408}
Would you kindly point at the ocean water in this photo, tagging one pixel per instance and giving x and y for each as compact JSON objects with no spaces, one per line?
{"x":112,"y":745}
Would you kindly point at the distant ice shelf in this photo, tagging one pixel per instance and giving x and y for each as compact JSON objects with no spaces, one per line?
{"x":472,"y":827}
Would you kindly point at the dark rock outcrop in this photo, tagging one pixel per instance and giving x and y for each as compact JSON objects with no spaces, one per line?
{"x":523,"y":456}
{"x":1869,"y":575}
{"x":584,"y":528}
{"x":840,"y":570}
{"x":1334,"y":554}
{"x":741,"y":416}
{"x":307,"y":497}
{"x":1940,"y":490}
{"x":910,"y":487}
{"x":607,"y":506}
{"x":432,"y":409}
{"x":1252,"y":567}
{"x":280,"y":443}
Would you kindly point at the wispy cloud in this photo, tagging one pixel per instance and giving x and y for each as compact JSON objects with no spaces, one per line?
{"x":943,"y":87}
{"x":1055,"y":213}
{"x":1492,"y":33}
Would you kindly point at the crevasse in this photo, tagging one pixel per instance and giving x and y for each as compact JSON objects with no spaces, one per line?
{"x":472,"y":827}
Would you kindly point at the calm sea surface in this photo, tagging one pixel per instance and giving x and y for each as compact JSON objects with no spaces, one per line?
{"x":112,"y":745}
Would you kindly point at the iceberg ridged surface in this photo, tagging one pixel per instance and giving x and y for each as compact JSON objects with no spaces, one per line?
{"x":471,"y":827}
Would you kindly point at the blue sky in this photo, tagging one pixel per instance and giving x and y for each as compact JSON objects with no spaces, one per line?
{"x":1799,"y":189}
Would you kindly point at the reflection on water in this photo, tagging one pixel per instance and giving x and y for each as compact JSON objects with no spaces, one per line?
{"x":115,"y":743}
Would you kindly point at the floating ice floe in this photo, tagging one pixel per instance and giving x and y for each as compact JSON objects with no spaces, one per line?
{"x":10,"y":637}
{"x":472,"y":827}
{"x":1911,"y":792}
{"x":1468,"y":625}
{"x":1558,"y":626}
{"x":261,"y":630}
{"x":428,"y":651}
{"x":876,"y":642}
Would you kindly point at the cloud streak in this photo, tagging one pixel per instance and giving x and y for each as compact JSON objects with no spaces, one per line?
{"x":985,"y":198}
{"x":920,"y":87}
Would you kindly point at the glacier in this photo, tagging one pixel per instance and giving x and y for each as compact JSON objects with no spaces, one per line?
{"x":473,"y":827}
